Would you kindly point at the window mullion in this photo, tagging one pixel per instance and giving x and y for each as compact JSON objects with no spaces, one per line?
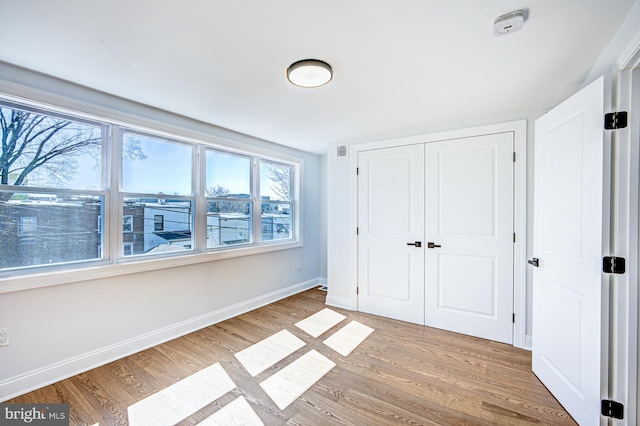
{"x":114,"y":218}
{"x":200,"y":228}
{"x":255,"y":196}
{"x":107,"y":141}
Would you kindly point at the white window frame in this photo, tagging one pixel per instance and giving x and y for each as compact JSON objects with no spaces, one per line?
{"x":122,"y":194}
{"x":113,"y":122}
{"x":203,"y":166}
{"x":256,"y":200}
{"x":58,"y":113}
{"x":292,"y":202}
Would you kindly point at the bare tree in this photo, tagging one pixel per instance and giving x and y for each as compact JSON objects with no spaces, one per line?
{"x":281,"y":178}
{"x":218,"y":206}
{"x":217,"y":191}
{"x":51,"y":146}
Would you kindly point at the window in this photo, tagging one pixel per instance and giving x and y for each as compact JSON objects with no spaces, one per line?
{"x":127,"y":223}
{"x":157,"y":196}
{"x":276,"y":194}
{"x":229,"y":199}
{"x":170,"y":196}
{"x":51,"y":191}
{"x":28,"y":226}
{"x":232,"y":200}
{"x":158,"y":222}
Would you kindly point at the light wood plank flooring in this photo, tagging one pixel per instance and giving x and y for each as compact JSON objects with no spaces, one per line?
{"x":401,"y":374}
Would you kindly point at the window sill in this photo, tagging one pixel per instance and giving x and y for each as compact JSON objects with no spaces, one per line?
{"x":53,"y":277}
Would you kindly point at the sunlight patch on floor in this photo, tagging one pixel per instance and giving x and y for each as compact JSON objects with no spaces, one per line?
{"x":257,"y":358}
{"x":288,"y":384}
{"x":345,"y":340}
{"x":320,"y":322}
{"x":180,"y":400}
{"x":238,"y":412}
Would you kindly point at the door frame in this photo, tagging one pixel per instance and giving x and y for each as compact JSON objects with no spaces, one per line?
{"x":624,"y":369}
{"x":519,"y":129}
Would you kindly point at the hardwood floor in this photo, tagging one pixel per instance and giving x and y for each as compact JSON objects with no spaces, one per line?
{"x":401,"y":374}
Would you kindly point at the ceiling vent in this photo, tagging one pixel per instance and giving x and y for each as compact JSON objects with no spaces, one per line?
{"x":509,"y":23}
{"x":342,"y":151}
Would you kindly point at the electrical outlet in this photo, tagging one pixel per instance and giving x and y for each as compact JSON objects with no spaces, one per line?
{"x":4,"y":336}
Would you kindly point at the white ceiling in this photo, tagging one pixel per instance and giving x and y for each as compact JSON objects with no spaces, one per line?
{"x":399,"y":65}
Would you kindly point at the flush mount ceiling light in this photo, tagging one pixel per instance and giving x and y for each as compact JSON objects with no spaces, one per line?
{"x":309,"y":73}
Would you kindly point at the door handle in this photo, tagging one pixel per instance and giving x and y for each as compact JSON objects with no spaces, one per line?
{"x":535,"y":262}
{"x":417,"y":244}
{"x":433,"y":245}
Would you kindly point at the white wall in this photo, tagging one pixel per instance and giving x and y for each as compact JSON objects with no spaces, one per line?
{"x":58,"y":331}
{"x":341,"y":225}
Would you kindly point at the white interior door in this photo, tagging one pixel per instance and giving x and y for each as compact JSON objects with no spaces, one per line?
{"x":390,"y":215}
{"x":469,"y":219}
{"x":570,"y":302}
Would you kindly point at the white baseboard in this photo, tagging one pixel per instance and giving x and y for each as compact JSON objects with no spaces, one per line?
{"x":528,"y":342}
{"x":339,"y":302}
{"x":52,"y":373}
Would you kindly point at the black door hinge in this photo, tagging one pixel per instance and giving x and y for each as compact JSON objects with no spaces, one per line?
{"x":615,"y":120}
{"x":612,"y":409}
{"x":613,"y":265}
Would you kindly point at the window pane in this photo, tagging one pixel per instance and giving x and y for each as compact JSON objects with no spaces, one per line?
{"x":127,"y":223}
{"x":43,"y":151}
{"x":158,"y":222}
{"x":43,"y":229}
{"x":275,"y":181}
{"x":153,"y":166}
{"x":139,"y":233}
{"x":276,"y":221}
{"x":228,"y":175}
{"x":228,"y":223}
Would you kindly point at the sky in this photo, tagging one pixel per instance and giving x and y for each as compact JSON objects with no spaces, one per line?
{"x":154,"y":174}
{"x":166,"y":169}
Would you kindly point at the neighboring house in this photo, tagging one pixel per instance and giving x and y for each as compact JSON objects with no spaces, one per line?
{"x":33,"y":236}
{"x":36,"y":230}
{"x":166,"y":226}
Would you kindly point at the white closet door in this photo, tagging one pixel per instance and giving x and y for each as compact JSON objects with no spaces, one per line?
{"x":469,"y":220}
{"x":390,"y":216}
